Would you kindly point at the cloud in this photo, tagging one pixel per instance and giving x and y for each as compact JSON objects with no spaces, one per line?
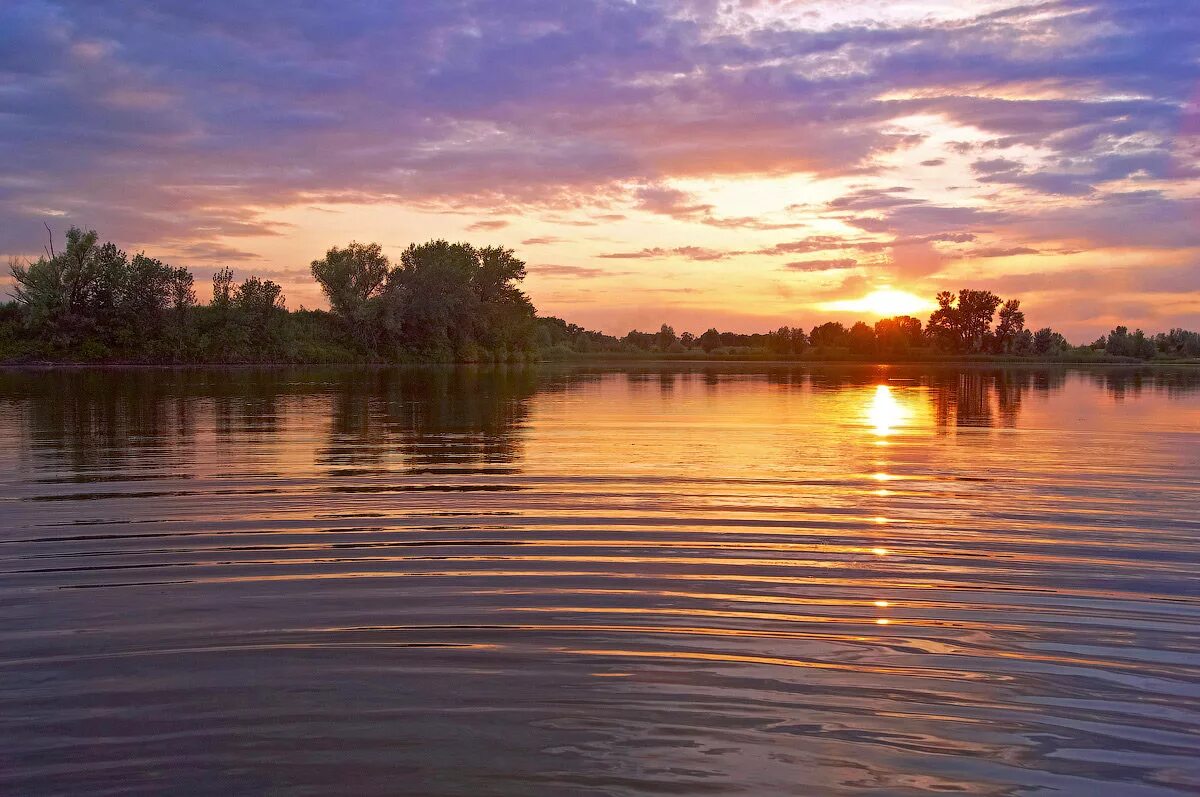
{"x":876,"y":199}
{"x":182,"y":125}
{"x":821,"y":265}
{"x":750,"y":223}
{"x":1000,"y":251}
{"x":498,"y":224}
{"x":687,"y":252}
{"x":823,"y":243}
{"x":670,"y":202}
{"x":542,"y":240}
{"x":206,"y":252}
{"x":571,"y":272}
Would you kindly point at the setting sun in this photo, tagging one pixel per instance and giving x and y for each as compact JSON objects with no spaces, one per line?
{"x":884,"y":302}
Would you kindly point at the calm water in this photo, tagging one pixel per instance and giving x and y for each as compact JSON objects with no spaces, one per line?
{"x":562,"y":581}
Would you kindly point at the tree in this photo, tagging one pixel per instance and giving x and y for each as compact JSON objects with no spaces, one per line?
{"x":666,"y":338}
{"x":786,"y":341}
{"x":353,"y":278}
{"x":861,"y":338}
{"x":504,"y":316}
{"x":1010,"y":326}
{"x":183,"y":290}
{"x":944,"y":327}
{"x":831,"y":333}
{"x":1178,"y":343}
{"x":1118,"y":342}
{"x":1047,"y":341}
{"x":1023,"y":342}
{"x":898,"y":334}
{"x":964,"y":326}
{"x":55,"y":289}
{"x":96,"y":293}
{"x":445,"y":300}
{"x":976,"y":309}
{"x":258,"y":301}
{"x":688,"y":340}
{"x":497,"y":276}
{"x":711,"y":339}
{"x":434,"y":282}
{"x":222,"y":290}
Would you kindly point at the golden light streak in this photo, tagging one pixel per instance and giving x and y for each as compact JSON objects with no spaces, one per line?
{"x":883,"y":302}
{"x":885,"y":413}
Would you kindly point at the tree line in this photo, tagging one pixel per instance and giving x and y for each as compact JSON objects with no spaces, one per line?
{"x":445,"y":302}
{"x":440,"y":302}
{"x":969,"y":323}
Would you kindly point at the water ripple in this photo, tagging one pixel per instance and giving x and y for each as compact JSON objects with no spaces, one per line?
{"x":692,"y":580}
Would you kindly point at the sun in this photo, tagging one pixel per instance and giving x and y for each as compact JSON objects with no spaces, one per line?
{"x":883,"y":302}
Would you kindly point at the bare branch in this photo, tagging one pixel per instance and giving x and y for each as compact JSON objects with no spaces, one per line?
{"x":49,"y":234}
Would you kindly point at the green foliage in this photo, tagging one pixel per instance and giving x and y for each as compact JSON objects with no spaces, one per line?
{"x":1047,"y":341}
{"x":1178,"y":343}
{"x":92,"y":299}
{"x":354,"y":279}
{"x":446,"y":302}
{"x":1121,"y":343}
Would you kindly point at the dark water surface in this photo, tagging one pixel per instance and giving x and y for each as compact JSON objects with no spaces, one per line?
{"x":556,"y":581}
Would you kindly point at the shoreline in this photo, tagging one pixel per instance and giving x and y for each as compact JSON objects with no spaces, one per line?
{"x":609,"y":360}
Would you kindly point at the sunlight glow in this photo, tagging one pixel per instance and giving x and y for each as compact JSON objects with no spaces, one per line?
{"x":885,"y":413}
{"x":883,"y":302}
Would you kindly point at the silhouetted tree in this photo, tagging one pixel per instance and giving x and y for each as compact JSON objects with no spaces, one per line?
{"x":711,"y":339}
{"x":963,"y":323}
{"x":1120,"y":342}
{"x":831,"y":333}
{"x":258,"y":300}
{"x":1010,"y":326}
{"x":666,"y":337}
{"x":1178,"y":342}
{"x":897,"y":335}
{"x":1047,"y":341}
{"x":222,"y":291}
{"x":861,"y":338}
{"x":442,"y":301}
{"x":786,"y":341}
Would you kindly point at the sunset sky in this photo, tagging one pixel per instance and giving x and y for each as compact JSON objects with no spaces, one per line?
{"x":738,"y":164}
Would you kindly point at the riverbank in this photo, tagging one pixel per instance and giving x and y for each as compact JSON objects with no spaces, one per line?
{"x":629,"y":358}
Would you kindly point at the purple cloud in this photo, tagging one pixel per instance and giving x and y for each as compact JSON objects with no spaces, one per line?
{"x":184,"y":125}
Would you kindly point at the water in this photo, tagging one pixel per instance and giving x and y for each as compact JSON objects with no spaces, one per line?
{"x":696,"y":580}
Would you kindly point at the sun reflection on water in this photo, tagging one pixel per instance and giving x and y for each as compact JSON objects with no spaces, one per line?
{"x":885,"y":412}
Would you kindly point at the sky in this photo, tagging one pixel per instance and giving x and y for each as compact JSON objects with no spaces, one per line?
{"x":734,"y":163}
